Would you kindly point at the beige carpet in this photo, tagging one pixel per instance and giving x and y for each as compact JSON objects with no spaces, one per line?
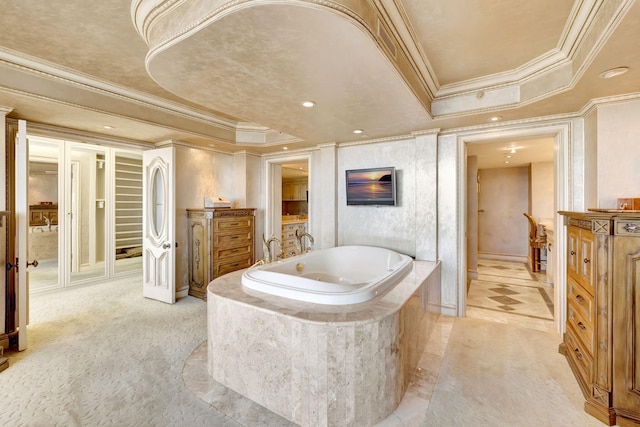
{"x":495,"y":375}
{"x":104,"y":355}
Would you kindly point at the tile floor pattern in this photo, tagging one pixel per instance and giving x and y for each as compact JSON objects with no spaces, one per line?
{"x":507,"y":292}
{"x":104,"y":355}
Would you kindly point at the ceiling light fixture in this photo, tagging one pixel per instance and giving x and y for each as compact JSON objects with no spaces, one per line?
{"x":308,"y":104}
{"x":285,"y":148}
{"x":506,"y":161}
{"x":513,"y":151}
{"x":495,"y":118}
{"x":358,"y":131}
{"x":614,"y":72}
{"x":108,"y":127}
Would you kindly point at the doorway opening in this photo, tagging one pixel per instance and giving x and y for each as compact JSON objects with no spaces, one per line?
{"x":288,"y":203}
{"x":84,"y":212}
{"x":496,"y":246}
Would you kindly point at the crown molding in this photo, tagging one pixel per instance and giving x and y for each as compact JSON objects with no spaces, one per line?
{"x":57,"y":74}
{"x":595,"y":103}
{"x":589,"y":26}
{"x":51,"y":131}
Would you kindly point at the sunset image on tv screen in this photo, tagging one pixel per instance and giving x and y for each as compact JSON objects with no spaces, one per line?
{"x":370,"y":184}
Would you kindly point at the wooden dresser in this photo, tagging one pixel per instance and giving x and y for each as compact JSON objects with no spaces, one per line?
{"x":221,"y":240}
{"x":602,"y":338}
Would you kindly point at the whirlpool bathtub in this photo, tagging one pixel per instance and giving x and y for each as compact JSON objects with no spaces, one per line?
{"x":334,"y":276}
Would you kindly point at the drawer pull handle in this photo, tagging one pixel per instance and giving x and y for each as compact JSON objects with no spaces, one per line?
{"x":581,"y":326}
{"x":587,"y":260}
{"x":578,"y":354}
{"x":234,"y":265}
{"x":573,"y":252}
{"x":632,"y":228}
{"x":580,"y":299}
{"x":234,"y":237}
{"x":234,"y":251}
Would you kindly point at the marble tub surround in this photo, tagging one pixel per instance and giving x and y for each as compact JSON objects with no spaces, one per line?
{"x":320,"y":365}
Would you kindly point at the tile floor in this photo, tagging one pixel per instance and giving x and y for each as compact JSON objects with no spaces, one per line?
{"x":508,"y":292}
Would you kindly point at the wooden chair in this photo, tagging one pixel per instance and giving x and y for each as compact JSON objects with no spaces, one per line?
{"x":536,"y":243}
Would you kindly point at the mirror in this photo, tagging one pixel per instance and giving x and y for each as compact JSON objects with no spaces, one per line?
{"x":88,"y":212}
{"x":43,"y":228}
{"x":157,"y":191}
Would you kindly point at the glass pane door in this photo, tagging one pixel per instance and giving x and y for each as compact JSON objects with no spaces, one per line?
{"x":87,"y":212}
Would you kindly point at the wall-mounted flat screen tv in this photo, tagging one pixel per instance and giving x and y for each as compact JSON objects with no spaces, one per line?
{"x":374,"y":186}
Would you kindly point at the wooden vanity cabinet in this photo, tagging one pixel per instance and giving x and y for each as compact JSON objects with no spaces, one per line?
{"x":39,"y":214}
{"x":601,"y":341}
{"x":221,"y":240}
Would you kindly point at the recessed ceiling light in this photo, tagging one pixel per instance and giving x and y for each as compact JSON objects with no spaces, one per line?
{"x":308,"y":104}
{"x":508,"y":156}
{"x":358,"y":131}
{"x":108,"y":127}
{"x":613,"y":72}
{"x":506,"y":161}
{"x":495,"y":118}
{"x":513,"y":151}
{"x":212,"y":145}
{"x":285,"y":148}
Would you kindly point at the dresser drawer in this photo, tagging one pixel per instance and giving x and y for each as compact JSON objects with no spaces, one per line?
{"x":229,"y":265}
{"x":242,"y":224}
{"x":582,"y":301}
{"x":578,"y":357}
{"x":220,"y":253}
{"x":293,"y":227}
{"x":233,"y":240}
{"x":580,"y":328}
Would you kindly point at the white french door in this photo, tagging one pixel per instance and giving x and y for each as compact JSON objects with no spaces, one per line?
{"x":22,"y":223}
{"x":158,"y":224}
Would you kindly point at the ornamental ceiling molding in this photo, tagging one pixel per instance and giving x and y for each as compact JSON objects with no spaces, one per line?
{"x":35,"y":68}
{"x":164,"y":23}
{"x":590,"y":25}
{"x":149,"y":16}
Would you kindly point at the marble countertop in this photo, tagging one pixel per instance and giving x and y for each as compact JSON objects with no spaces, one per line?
{"x":293,"y":219}
{"x":229,"y":286}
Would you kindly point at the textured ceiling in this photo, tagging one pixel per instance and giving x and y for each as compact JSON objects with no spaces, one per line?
{"x":232,"y":74}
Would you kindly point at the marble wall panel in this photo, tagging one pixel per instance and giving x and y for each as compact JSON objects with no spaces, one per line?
{"x":618,"y":132}
{"x":448,"y":211}
{"x":199,"y":173}
{"x":393,"y":227}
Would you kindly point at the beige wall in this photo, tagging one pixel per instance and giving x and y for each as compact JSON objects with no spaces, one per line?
{"x":199,"y":173}
{"x":618,"y":135}
{"x":542,"y":192}
{"x":504,"y":196}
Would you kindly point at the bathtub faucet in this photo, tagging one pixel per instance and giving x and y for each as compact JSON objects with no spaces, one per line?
{"x":299,"y":237}
{"x":47,"y":221}
{"x":266,"y":245}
